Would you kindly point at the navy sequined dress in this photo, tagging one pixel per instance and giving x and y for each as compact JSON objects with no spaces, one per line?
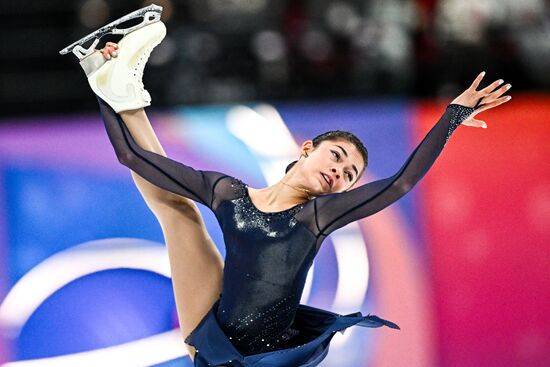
{"x":258,"y":320}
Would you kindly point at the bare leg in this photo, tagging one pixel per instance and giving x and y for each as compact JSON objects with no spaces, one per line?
{"x":196,"y":263}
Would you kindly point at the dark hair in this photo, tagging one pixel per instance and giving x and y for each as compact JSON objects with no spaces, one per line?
{"x":339,"y":134}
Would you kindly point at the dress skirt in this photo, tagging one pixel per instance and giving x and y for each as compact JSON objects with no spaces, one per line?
{"x":316,"y":326}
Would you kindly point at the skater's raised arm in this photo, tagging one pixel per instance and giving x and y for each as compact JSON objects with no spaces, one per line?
{"x":159,"y":170}
{"x":115,"y":75}
{"x":339,"y":209}
{"x":141,"y":130}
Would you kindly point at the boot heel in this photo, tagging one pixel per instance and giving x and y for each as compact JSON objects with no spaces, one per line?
{"x":92,"y":63}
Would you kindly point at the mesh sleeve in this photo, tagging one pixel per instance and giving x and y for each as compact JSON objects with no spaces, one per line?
{"x":161,"y":171}
{"x":336,"y":210}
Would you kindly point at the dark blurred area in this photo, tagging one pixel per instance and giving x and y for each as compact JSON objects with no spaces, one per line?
{"x":222,"y":51}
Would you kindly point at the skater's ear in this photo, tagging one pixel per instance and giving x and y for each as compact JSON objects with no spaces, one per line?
{"x":306,"y":148}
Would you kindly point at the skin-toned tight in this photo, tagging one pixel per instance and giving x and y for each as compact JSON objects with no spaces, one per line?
{"x":196,"y":263}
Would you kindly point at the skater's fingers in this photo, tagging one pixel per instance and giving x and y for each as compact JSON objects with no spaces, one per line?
{"x":112,"y":51}
{"x":108,"y":52}
{"x":477,"y":80}
{"x":475,"y":123}
{"x":111,"y":44}
{"x":491,"y":87}
{"x":495,"y":103}
{"x":496,"y":94}
{"x":105,"y":53}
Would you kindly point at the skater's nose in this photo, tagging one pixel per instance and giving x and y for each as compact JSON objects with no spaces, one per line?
{"x":337,"y":174}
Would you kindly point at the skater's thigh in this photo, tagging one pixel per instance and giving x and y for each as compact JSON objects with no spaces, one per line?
{"x":196,"y":264}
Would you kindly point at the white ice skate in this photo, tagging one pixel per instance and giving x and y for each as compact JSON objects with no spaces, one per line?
{"x":118,"y":81}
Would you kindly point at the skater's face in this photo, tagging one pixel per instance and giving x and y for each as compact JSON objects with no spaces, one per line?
{"x":332,"y":166}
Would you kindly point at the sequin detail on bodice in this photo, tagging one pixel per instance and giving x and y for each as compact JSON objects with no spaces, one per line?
{"x":268,"y":255}
{"x":247,"y":216}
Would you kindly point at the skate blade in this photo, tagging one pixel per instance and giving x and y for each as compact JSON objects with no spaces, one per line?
{"x":149,"y":13}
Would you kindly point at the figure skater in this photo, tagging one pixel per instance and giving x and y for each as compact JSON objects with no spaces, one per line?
{"x":245,"y":310}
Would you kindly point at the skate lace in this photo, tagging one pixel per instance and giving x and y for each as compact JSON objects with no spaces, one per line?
{"x":139,"y":67}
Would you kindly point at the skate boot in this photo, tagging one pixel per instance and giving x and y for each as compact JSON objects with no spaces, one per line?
{"x":118,"y":81}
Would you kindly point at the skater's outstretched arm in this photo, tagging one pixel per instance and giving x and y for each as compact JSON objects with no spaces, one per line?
{"x":336,"y":210}
{"x":157,"y":169}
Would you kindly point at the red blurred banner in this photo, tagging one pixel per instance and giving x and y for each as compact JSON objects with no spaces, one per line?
{"x":486,"y":206}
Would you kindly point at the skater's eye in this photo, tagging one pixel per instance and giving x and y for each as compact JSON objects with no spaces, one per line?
{"x":337,"y":155}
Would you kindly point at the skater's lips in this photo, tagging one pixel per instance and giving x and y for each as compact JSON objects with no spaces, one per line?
{"x":328,"y":179}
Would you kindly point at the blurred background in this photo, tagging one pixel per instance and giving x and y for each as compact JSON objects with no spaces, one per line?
{"x":234,"y":50}
{"x":460,"y":263}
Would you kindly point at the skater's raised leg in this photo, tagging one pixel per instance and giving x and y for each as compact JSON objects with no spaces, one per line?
{"x":197,"y":266}
{"x":195,"y":262}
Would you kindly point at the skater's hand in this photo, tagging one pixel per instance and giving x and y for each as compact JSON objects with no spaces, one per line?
{"x":110,"y":50}
{"x":490,"y":97}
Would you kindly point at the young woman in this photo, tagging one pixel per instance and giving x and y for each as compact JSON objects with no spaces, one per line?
{"x":245,"y":311}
